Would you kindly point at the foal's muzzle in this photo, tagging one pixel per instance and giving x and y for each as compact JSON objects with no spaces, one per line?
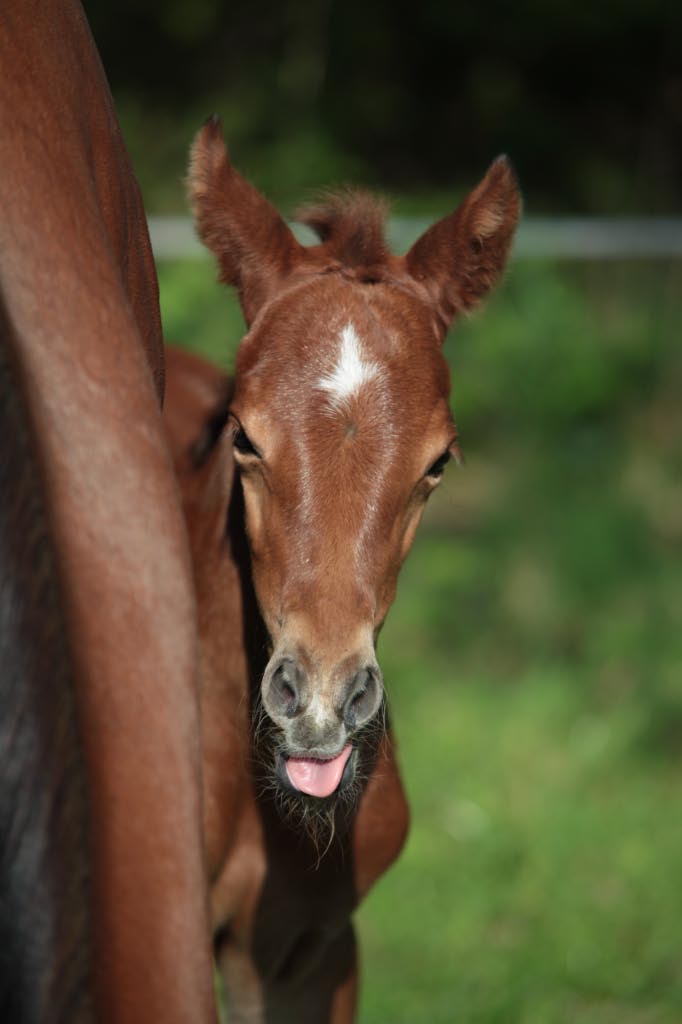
{"x":318,"y":715}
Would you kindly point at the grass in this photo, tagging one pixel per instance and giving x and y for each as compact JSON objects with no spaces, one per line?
{"x":534,"y":663}
{"x":540,"y":882}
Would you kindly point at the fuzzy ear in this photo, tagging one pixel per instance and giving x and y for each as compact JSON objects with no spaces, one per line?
{"x":461,"y":257}
{"x":254,"y":247}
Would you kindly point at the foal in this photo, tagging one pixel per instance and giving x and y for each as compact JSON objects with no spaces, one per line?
{"x":300,"y":515}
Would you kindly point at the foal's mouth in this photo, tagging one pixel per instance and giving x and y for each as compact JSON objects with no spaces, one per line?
{"x":315,"y":776}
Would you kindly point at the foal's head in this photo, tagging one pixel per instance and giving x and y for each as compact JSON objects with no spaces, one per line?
{"x":342,"y":429}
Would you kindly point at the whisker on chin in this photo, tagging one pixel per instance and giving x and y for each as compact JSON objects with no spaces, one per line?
{"x":319,"y":819}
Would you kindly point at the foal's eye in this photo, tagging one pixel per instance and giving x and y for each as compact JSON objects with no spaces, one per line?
{"x":242,"y":443}
{"x":437,"y":467}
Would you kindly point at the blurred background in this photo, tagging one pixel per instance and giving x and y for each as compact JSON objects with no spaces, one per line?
{"x":534,"y":655}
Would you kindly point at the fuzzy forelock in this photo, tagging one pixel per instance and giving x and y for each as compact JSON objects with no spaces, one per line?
{"x":350,"y":222}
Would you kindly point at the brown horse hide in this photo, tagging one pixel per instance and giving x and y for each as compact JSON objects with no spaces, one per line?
{"x":109,"y":844}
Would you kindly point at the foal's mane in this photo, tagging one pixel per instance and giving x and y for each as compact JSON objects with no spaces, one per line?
{"x":350,"y":222}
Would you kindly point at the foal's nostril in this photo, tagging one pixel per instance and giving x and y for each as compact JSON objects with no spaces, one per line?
{"x":285,"y":688}
{"x":362,"y":701}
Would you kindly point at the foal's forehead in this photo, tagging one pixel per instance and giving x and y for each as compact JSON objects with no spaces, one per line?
{"x":337,"y":337}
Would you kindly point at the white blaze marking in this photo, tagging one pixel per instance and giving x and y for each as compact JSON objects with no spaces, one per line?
{"x":351,"y":370}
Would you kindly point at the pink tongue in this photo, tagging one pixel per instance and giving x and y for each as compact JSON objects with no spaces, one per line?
{"x":317,"y":778}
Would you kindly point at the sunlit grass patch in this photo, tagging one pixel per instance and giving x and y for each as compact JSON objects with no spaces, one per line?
{"x":541,"y":873}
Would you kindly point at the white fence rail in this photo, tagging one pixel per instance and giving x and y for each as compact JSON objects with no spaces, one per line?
{"x":581,"y":238}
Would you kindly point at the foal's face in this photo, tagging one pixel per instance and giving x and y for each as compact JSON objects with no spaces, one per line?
{"x":342,"y":430}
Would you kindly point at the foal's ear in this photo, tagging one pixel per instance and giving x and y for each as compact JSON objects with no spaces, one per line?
{"x":461,"y":257}
{"x":254,"y":247}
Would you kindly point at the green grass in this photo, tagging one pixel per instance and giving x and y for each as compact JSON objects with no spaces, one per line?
{"x":541,"y":878}
{"x":534,"y":663}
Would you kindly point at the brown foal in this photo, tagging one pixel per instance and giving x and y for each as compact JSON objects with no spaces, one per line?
{"x":300,"y":515}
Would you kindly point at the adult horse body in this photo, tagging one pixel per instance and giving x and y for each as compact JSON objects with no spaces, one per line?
{"x":340,"y":429}
{"x":102,"y":857}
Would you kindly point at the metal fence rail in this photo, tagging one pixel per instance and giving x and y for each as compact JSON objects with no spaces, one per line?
{"x":574,"y":238}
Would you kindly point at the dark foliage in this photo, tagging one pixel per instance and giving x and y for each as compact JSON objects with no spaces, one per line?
{"x":586,"y":97}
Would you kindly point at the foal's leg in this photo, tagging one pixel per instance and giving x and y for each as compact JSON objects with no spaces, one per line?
{"x":345,"y":998}
{"x":242,"y":988}
{"x":326,"y":993}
